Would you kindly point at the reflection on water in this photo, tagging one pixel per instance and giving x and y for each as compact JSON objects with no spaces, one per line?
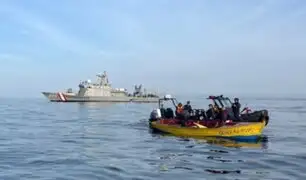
{"x":208,"y":153}
{"x":260,"y":143}
{"x":95,"y":104}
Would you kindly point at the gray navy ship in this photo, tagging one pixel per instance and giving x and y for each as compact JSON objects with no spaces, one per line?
{"x":102,"y":91}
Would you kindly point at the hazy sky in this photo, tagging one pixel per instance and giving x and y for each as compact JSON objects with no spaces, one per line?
{"x":230,"y":46}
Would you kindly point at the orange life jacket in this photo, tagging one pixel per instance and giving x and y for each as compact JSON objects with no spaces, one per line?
{"x":179,"y":110}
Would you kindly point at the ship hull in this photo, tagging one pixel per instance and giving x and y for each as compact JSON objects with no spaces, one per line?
{"x":65,"y":97}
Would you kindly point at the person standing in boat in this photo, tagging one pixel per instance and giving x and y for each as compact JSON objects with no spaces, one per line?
{"x":187,"y":107}
{"x":236,"y":108}
{"x":187,"y":110}
{"x":180,"y":114}
{"x":179,"y":110}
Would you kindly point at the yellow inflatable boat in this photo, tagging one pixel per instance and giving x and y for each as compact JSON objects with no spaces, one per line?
{"x":242,"y":130}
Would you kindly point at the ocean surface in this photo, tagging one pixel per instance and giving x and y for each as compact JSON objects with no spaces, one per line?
{"x":64,"y":141}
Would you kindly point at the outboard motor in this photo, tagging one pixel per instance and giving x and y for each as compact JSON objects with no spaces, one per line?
{"x":155,"y":115}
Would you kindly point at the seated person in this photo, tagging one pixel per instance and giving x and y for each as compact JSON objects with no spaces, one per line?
{"x":203,"y":115}
{"x":211,"y":113}
{"x":169,"y":113}
{"x":222,"y":115}
{"x":162,"y":110}
{"x":197,"y":114}
{"x":216,"y":109}
{"x":200,"y":114}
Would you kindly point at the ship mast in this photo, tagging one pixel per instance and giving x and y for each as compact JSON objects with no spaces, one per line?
{"x":103,"y":79}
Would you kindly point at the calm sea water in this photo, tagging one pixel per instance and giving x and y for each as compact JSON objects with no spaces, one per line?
{"x":44,"y":140}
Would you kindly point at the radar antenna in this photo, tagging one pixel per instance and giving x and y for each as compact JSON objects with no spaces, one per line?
{"x":103,"y":79}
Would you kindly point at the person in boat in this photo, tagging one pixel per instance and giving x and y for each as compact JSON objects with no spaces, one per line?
{"x":180,"y":114}
{"x":200,"y":114}
{"x":187,"y":111}
{"x":162,"y":110}
{"x":179,"y":110}
{"x":236,"y":108}
{"x":211,"y":113}
{"x":187,"y":107}
{"x":216,"y":108}
{"x":224,"y":114}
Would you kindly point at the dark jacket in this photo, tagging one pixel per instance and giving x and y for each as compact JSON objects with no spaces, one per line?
{"x":188,"y":108}
{"x":210,"y":113}
{"x":236,"y":108}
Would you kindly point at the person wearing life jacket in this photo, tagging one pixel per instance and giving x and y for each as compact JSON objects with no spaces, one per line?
{"x":179,"y":110}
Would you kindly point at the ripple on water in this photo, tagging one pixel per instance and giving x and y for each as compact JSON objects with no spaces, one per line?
{"x":41,"y":140}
